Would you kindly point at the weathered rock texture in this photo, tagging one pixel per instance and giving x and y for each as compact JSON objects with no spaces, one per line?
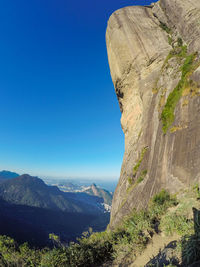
{"x":139,"y":40}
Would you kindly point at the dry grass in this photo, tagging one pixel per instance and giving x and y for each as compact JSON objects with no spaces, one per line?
{"x":178,"y":128}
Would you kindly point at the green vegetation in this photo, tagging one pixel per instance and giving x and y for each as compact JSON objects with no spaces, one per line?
{"x":180,"y":42}
{"x":161,"y":197}
{"x":130,"y":180}
{"x":170,"y":40}
{"x":197,"y":190}
{"x":178,"y":52}
{"x":28,"y":199}
{"x":176,"y":223}
{"x":190,"y":248}
{"x":135,"y":171}
{"x":176,"y":128}
{"x":190,"y":244}
{"x":165,"y":27}
{"x":140,"y":179}
{"x":14,"y":255}
{"x":136,"y":167}
{"x":132,"y":236}
{"x":164,"y":214}
{"x":142,"y":176}
{"x":173,"y":98}
{"x":182,"y":221}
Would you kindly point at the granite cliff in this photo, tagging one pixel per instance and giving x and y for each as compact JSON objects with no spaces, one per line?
{"x":154,"y":58}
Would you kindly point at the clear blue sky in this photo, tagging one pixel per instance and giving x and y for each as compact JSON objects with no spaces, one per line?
{"x":59,"y":114}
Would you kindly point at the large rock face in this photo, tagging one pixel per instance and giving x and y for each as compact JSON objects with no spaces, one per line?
{"x":158,"y":93}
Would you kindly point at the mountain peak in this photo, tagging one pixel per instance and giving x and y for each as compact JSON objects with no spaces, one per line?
{"x":7,"y":174}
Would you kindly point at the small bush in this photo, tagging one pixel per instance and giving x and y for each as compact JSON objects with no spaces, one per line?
{"x":140,"y":179}
{"x":161,"y":197}
{"x":180,"y":42}
{"x":165,"y":27}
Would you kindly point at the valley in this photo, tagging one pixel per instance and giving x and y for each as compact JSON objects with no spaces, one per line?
{"x":31,"y":210}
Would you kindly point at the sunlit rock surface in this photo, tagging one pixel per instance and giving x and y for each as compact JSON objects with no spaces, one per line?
{"x":139,"y":40}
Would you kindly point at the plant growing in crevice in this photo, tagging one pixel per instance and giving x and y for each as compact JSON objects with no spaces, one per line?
{"x":167,"y":115}
{"x":170,"y":39}
{"x":180,"y":42}
{"x":142,"y":176}
{"x":136,"y":167}
{"x":165,"y":27}
{"x":130,"y":180}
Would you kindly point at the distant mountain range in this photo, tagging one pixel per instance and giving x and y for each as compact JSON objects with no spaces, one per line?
{"x":30,"y":210}
{"x":102,"y":193}
{"x":93,"y":190}
{"x":4,"y":175}
{"x":32,"y":191}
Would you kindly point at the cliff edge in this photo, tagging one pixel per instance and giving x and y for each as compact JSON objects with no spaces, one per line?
{"x":154,"y":58}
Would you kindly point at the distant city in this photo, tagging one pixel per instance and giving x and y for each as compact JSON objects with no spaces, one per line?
{"x":80,"y":184}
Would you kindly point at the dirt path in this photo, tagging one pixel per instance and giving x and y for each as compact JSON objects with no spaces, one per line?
{"x":158,"y":243}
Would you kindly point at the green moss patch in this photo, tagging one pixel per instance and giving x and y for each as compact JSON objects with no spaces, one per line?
{"x":188,"y":67}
